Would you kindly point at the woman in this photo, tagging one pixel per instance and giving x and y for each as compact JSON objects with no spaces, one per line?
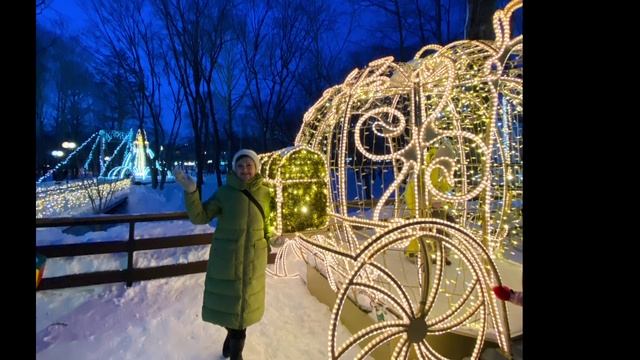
{"x":234,"y":293}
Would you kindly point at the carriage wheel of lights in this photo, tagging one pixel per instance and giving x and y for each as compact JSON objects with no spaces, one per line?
{"x":418,"y":317}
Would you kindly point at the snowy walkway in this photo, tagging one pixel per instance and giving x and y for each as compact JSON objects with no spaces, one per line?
{"x":160,"y":319}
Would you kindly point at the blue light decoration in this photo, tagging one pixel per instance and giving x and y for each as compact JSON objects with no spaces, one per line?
{"x":102,"y":148}
{"x":133,"y":161}
{"x":119,"y":172}
{"x":66,"y":160}
{"x":91,"y":154}
{"x":128,"y":161}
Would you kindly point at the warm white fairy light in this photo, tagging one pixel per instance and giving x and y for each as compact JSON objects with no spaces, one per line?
{"x":60,"y":198}
{"x":299,"y":249}
{"x":418,"y":350}
{"x":430,"y":353}
{"x":394,"y":184}
{"x":455,"y":323}
{"x":370,"y":331}
{"x":465,"y":96}
{"x":401,"y":349}
{"x":473,"y":247}
{"x":429,"y":73}
{"x":469,"y":247}
{"x":296,"y":174}
{"x":384,"y":294}
{"x":455,"y":308}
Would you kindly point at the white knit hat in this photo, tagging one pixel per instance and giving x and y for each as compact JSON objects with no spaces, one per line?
{"x":250,"y":153}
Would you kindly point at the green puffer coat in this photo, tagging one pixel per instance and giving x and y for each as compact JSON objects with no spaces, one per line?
{"x":234,"y":289}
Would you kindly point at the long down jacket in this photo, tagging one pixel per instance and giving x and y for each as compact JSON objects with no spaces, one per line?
{"x":234,"y":290}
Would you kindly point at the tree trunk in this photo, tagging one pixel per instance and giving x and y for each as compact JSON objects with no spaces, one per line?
{"x":480,"y":19}
{"x":438,"y":20}
{"x":423,"y":37}
{"x":400,"y":30}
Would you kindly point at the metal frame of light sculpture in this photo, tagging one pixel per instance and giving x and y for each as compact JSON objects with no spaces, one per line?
{"x":383,"y":120}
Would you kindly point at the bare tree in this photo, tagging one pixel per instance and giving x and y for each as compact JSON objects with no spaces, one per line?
{"x":251,"y":32}
{"x":72,"y":84}
{"x":230,"y":89}
{"x":177,"y":96}
{"x":42,"y":5}
{"x":128,"y":30}
{"x":324,"y":65}
{"x":196,"y":33}
{"x":433,"y":22}
{"x":45,"y":40}
{"x":99,"y":191}
{"x":273,"y":58}
{"x":437,"y":5}
{"x":392,"y":8}
{"x":114,"y":89}
{"x":214,"y":40}
{"x":479,"y":24}
{"x":405,"y":26}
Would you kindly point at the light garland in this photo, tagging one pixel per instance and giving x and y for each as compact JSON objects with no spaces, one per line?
{"x":390,"y":121}
{"x":134,"y":159}
{"x":457,"y":89}
{"x":53,"y":199}
{"x":58,"y":199}
{"x":66,"y":160}
{"x":297,"y":176}
{"x":123,"y":145}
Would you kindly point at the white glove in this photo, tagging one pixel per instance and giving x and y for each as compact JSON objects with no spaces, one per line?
{"x":184,"y":180}
{"x":278,"y":241}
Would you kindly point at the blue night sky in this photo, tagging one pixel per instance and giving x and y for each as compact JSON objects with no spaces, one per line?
{"x":373,"y":36}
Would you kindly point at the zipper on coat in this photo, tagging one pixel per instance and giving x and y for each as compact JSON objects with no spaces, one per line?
{"x":244,"y":267}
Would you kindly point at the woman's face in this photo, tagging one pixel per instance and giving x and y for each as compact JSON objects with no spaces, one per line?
{"x":245,"y":169}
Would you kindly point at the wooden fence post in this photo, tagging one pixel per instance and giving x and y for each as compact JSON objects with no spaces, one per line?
{"x":130,"y":248}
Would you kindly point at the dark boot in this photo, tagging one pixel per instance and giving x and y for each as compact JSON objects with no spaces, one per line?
{"x":226,"y":349}
{"x":236,"y":343}
{"x":236,"y":346}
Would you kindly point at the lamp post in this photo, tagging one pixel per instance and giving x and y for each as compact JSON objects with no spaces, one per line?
{"x":70,"y":145}
{"x":57,"y":154}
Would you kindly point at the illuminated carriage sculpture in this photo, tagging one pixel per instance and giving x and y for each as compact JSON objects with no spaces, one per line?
{"x":361,"y":184}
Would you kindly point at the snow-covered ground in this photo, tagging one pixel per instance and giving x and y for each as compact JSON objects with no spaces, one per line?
{"x":160,"y":319}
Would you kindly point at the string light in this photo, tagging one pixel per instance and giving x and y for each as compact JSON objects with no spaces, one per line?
{"x":58,"y":199}
{"x":390,"y":120}
{"x":297,"y":176}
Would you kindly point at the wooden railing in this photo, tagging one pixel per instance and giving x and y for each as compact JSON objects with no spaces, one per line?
{"x":131,"y":245}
